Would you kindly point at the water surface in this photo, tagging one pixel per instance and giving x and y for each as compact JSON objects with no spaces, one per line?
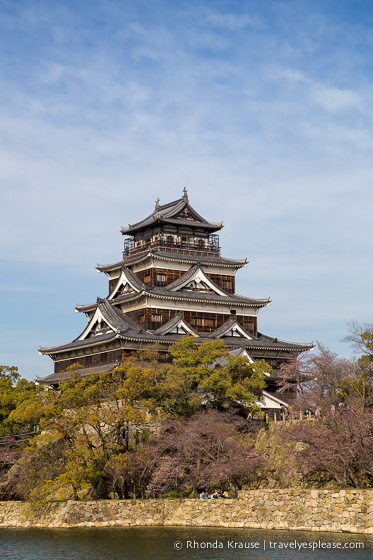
{"x":158,"y":543}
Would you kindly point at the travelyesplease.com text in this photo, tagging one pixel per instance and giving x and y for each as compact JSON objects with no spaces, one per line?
{"x":266,"y":545}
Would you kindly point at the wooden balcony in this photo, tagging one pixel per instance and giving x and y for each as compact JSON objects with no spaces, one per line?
{"x":187,"y":245}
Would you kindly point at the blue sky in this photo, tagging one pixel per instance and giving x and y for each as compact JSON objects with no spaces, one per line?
{"x":262,"y":109}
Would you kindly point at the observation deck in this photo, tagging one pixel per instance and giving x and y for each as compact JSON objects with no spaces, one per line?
{"x":189,"y":245}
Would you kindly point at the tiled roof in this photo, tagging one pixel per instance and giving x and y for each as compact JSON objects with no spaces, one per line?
{"x":222,"y":361}
{"x":54,"y":378}
{"x":134,"y":279}
{"x":231,"y":299}
{"x":134,"y":333}
{"x":173,"y":257}
{"x":78,"y":343}
{"x":232,"y":321}
{"x":118,"y":321}
{"x":263,"y":342}
{"x":173,"y":322}
{"x":173,"y":213}
{"x":235,"y":345}
{"x":116,"y":318}
{"x":108,"y":267}
{"x":184,"y":278}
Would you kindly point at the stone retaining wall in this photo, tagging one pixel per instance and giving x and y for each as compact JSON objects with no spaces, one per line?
{"x":312,"y":510}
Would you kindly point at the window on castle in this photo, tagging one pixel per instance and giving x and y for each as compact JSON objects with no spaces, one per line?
{"x":161,"y":277}
{"x":156,"y":318}
{"x":202,"y":322}
{"x":88,"y":361}
{"x":103,"y":358}
{"x":142,"y":318}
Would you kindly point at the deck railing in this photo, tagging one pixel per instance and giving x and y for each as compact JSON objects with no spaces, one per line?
{"x":188,"y":245}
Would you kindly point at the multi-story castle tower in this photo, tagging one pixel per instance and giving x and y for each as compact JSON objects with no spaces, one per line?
{"x":172,"y":280}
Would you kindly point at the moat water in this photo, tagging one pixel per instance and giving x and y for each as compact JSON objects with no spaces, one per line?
{"x":158,"y":543}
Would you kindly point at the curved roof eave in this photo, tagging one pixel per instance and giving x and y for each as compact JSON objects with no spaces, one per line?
{"x":78,"y":343}
{"x":168,"y":213}
{"x":172,"y":257}
{"x":163,"y":294}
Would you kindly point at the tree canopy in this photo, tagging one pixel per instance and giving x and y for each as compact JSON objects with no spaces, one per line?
{"x":150,"y":429}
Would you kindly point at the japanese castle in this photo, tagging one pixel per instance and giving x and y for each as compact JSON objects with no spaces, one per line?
{"x":171,"y":281}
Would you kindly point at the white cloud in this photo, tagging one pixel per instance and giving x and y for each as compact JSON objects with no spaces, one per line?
{"x":97,"y":124}
{"x":335,"y":99}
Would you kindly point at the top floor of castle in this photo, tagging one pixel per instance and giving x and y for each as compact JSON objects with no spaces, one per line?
{"x":175,"y":228}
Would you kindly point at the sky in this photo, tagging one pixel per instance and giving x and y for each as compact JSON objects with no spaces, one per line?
{"x":262,"y":109}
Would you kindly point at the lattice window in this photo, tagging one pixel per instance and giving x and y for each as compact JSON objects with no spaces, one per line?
{"x":156,"y":317}
{"x":224,"y":282}
{"x":88,"y":361}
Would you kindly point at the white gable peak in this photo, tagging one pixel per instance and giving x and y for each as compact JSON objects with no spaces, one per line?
{"x":123,"y":286}
{"x":198,"y":282}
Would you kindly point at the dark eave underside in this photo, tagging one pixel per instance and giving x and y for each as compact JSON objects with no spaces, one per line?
{"x":172,"y":257}
{"x":262,"y":342}
{"x":168,"y":214}
{"x":201,"y":297}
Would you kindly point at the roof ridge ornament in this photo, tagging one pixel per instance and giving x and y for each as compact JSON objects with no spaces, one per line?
{"x":157,"y":204}
{"x":185,"y":194}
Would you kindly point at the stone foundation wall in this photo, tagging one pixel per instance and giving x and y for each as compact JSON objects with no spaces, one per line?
{"x":312,"y":510}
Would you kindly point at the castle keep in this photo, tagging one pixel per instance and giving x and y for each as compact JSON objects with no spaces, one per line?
{"x":171,"y":281}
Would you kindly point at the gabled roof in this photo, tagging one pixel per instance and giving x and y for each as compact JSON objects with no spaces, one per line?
{"x":116,"y":318}
{"x":183,"y":295}
{"x":124,"y":328}
{"x":111,"y":317}
{"x":113,"y":321}
{"x":269,"y":400}
{"x":130,"y":279}
{"x":231,"y":328}
{"x":240,"y":351}
{"x":178,"y":212}
{"x":176,"y":325}
{"x":196,"y":276}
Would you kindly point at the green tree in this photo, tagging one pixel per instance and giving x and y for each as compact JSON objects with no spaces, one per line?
{"x":239,"y":382}
{"x":14,"y":392}
{"x":86,"y":418}
{"x":194,"y":360}
{"x":196,"y":377}
{"x":175,"y":392}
